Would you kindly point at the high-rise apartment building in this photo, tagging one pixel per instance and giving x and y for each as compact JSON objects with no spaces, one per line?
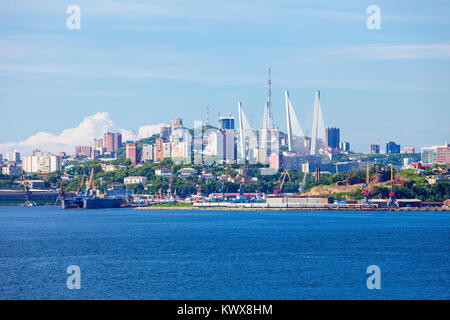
{"x":44,"y":164}
{"x":83,"y":151}
{"x":436,"y":154}
{"x":148,"y":152}
{"x":98,"y":143}
{"x":131,"y":152}
{"x":13,"y":156}
{"x":112,"y":141}
{"x":164,"y":133}
{"x":176,"y":123}
{"x":159,"y":156}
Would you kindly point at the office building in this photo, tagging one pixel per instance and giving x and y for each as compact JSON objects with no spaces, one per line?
{"x":392,"y":147}
{"x":345,"y":146}
{"x":226,"y":122}
{"x":374,"y":148}
{"x":332,"y":137}
{"x":229,"y":145}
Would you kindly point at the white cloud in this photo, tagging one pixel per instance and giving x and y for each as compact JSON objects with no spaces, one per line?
{"x":149,"y":130}
{"x":91,"y":127}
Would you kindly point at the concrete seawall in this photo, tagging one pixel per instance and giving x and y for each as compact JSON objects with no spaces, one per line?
{"x":12,"y":197}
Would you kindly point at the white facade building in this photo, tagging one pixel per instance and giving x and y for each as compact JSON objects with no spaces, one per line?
{"x":46,"y":164}
{"x":229,"y":145}
{"x":148,"y":152}
{"x":13,"y":156}
{"x":135,"y":180}
{"x":215,"y":147}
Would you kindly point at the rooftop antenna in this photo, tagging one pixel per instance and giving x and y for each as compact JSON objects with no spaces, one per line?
{"x":207,"y":116}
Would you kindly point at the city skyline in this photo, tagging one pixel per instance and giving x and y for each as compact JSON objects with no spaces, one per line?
{"x":130,"y":60}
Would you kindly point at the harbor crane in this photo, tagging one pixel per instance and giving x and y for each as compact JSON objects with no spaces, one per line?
{"x":392,"y":203}
{"x":302,"y":184}
{"x":242,"y":184}
{"x":26,"y":189}
{"x":367,"y":192}
{"x":61,"y":193}
{"x":225,"y":184}
{"x":81,"y":182}
{"x":281,"y":181}
{"x":90,"y":183}
{"x":169,"y":191}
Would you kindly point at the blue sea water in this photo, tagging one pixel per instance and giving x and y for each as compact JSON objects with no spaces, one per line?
{"x":130,"y":254}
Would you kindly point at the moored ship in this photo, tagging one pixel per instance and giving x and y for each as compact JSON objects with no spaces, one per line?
{"x":91,"y":198}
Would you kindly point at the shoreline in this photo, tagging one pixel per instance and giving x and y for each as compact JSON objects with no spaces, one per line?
{"x":243,"y":208}
{"x":287,"y":209}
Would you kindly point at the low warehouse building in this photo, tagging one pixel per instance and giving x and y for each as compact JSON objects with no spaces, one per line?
{"x":299,"y":201}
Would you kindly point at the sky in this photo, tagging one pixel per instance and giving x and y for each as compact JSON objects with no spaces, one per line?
{"x":134,"y":65}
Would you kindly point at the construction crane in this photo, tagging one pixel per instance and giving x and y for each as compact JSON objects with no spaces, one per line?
{"x":280,"y":181}
{"x":366,"y":192}
{"x":392,"y":203}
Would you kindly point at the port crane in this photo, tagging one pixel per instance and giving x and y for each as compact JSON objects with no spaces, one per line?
{"x":281,"y":181}
{"x":61,"y":193}
{"x":26,"y":189}
{"x":242,"y":184}
{"x":392,"y":203}
{"x":90,"y":183}
{"x":302,"y":185}
{"x":367,"y":192}
{"x":81,"y":182}
{"x":169,"y":191}
{"x":224,"y":184}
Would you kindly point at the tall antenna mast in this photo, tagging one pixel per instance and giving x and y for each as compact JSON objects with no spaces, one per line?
{"x":269,"y":101}
{"x":207,"y":116}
